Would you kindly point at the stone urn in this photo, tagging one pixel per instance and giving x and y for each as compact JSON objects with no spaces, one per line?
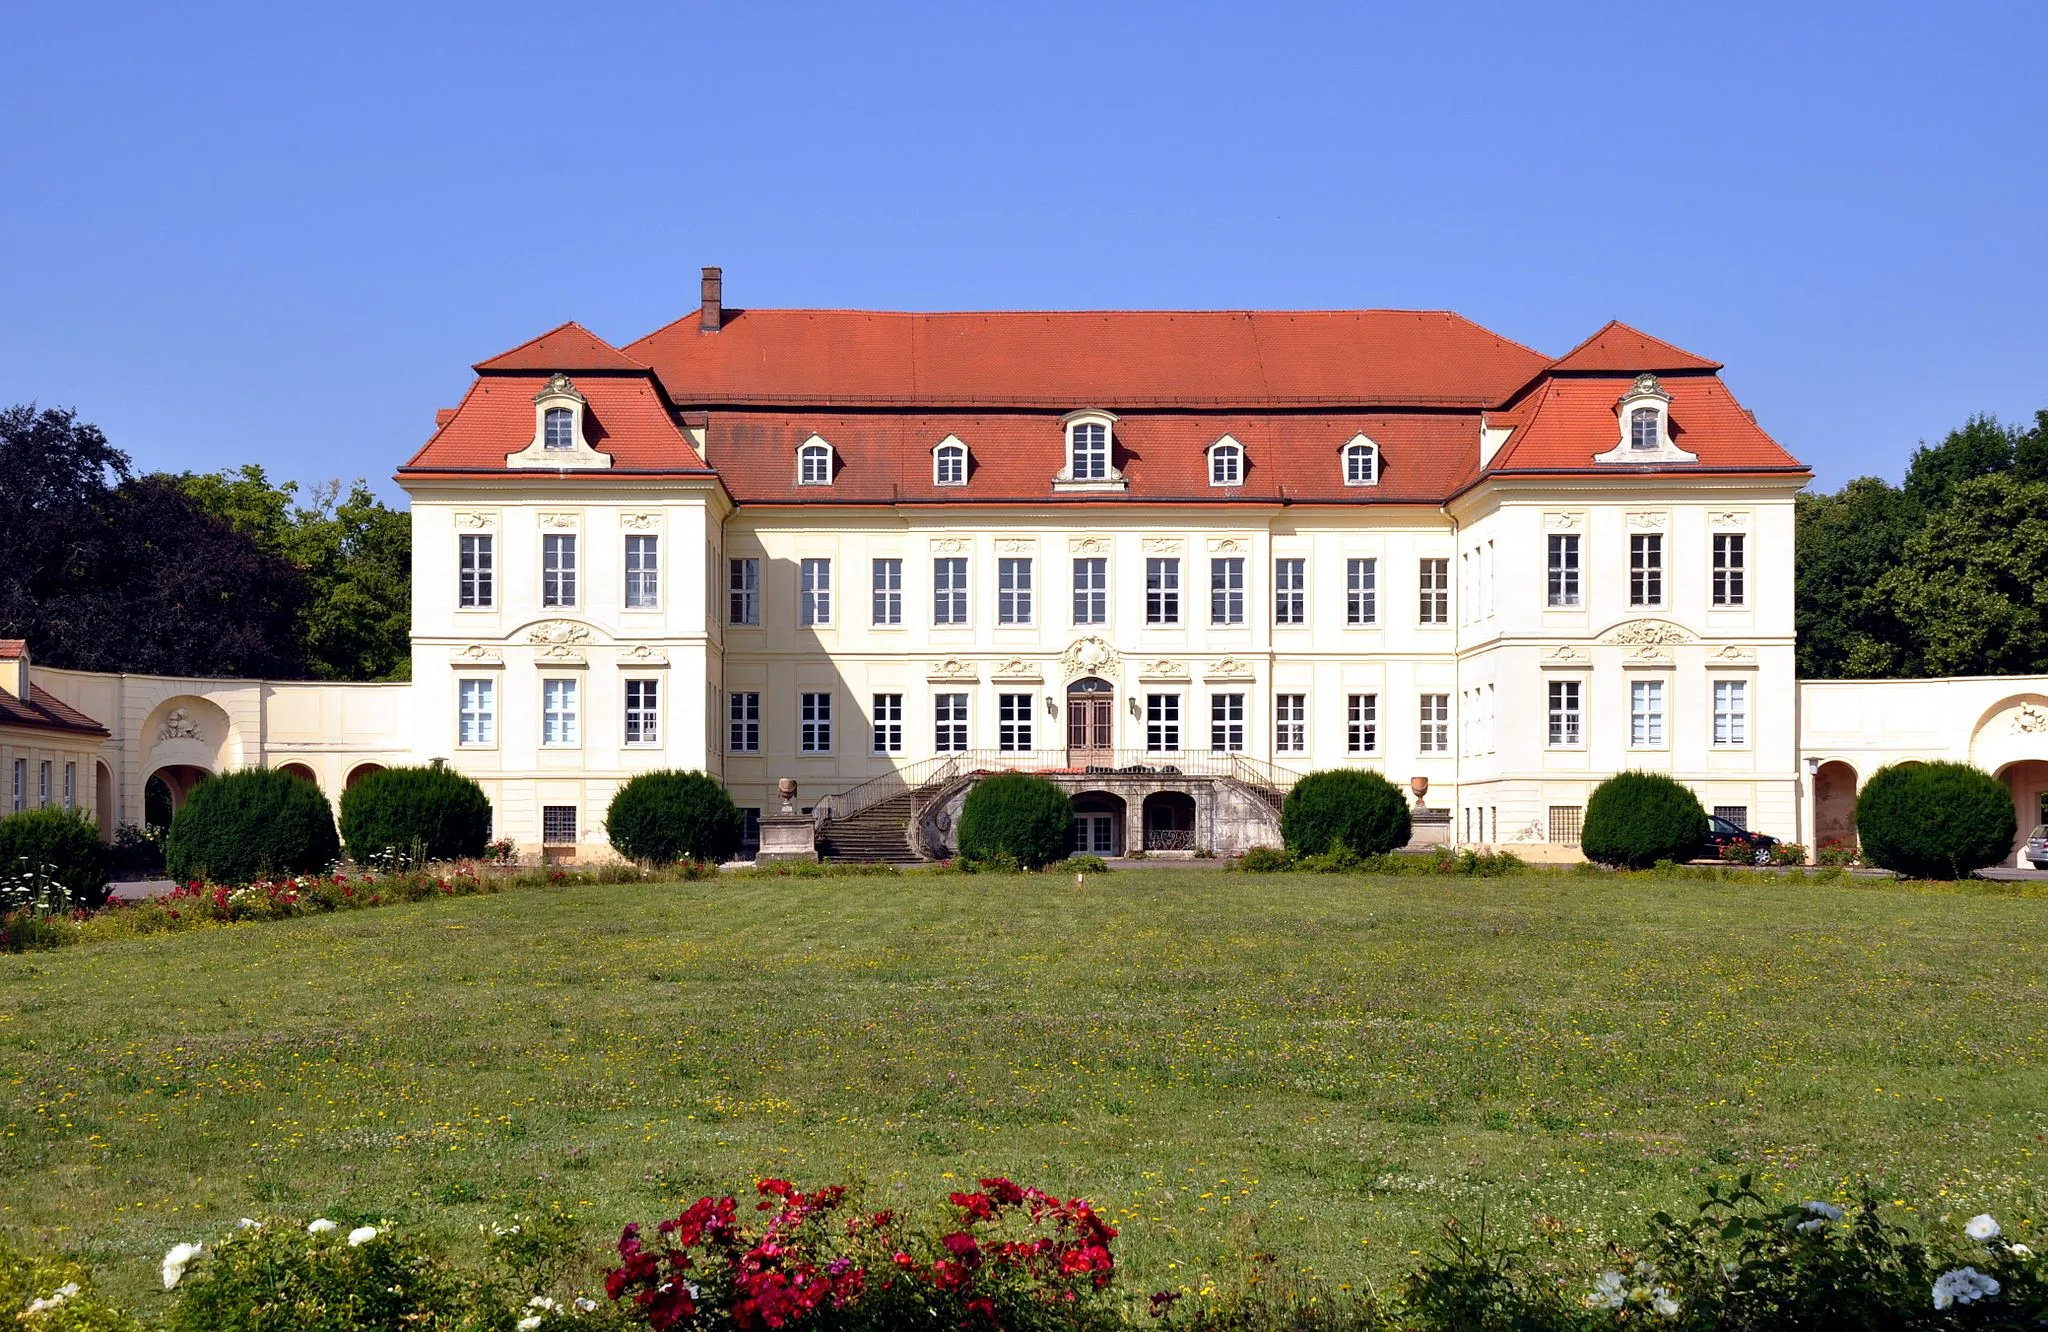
{"x":1420,"y":786}
{"x":786,"y":788}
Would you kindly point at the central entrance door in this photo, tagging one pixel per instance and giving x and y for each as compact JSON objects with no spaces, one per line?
{"x":1091,"y":722}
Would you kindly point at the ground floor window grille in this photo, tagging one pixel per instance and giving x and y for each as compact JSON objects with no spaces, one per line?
{"x":558,"y":825}
{"x":1564,"y":824}
{"x":1735,"y":814}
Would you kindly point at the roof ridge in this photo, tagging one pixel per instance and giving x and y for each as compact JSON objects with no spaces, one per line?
{"x":1699,"y":362}
{"x":564,"y":326}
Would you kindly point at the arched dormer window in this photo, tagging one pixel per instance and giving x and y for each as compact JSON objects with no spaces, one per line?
{"x":814,"y":462}
{"x":1226,"y":462}
{"x":1642,"y":428}
{"x":563,"y":429}
{"x":1644,"y":420}
{"x":949,"y":463}
{"x":1091,"y":452}
{"x":1361,"y":462}
{"x":559,"y":428}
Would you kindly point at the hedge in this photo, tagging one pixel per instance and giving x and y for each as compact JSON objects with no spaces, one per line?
{"x":1935,"y":820}
{"x":61,"y":845}
{"x":415,"y":815}
{"x":1016,"y":815}
{"x":663,"y":817}
{"x":252,"y":824}
{"x":1635,"y":819}
{"x":1363,"y":810}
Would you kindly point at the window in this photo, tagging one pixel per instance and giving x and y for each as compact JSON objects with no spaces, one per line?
{"x":1728,"y":564}
{"x":643,"y":712}
{"x":643,"y":573}
{"x":560,"y":428}
{"x":1564,"y":714}
{"x":1013,"y":723}
{"x":1162,"y":723}
{"x":744,"y":582}
{"x":558,"y":725}
{"x":558,"y":825}
{"x":949,"y":715}
{"x":1361,"y":598}
{"x":1564,"y":570}
{"x":1736,"y":815}
{"x":1363,"y":728}
{"x":70,"y":787}
{"x":558,"y":571}
{"x":1226,"y":464}
{"x":1091,"y":591}
{"x":1290,"y":723}
{"x":1435,"y":735}
{"x":750,"y":832}
{"x":1013,"y":591}
{"x":476,"y":706}
{"x":1564,"y":824}
{"x":20,"y":785}
{"x":1290,"y":599}
{"x":815,"y":605}
{"x":814,"y":723}
{"x":1090,"y":445}
{"x":1435,"y":580}
{"x":1361,"y":463}
{"x":1162,"y":591}
{"x":888,"y":723}
{"x":1646,"y":569}
{"x":43,"y":784}
{"x":814,"y":465}
{"x":888,"y":576}
{"x":1226,"y":723}
{"x":949,"y":465}
{"x":1731,"y":712}
{"x":743,"y":714}
{"x":1226,"y":591}
{"x":1646,"y":714}
{"x":949,"y":591}
{"x":1642,"y":428}
{"x":473,"y":583}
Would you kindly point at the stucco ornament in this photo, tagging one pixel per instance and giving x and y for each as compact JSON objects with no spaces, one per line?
{"x":1733,"y":652}
{"x":1015,"y":546}
{"x":1016,"y":668}
{"x":558,"y":386}
{"x":1088,"y":656}
{"x":1647,"y":633}
{"x":475,"y":520}
{"x":1564,"y":652}
{"x":640,"y":522}
{"x":1162,"y":545}
{"x":1089,"y":546}
{"x":178,"y":726}
{"x":952,"y":668}
{"x":643,"y":654}
{"x":2030,"y":719}
{"x":1563,"y":522}
{"x":558,"y":632}
{"x":1227,"y":545}
{"x":950,"y":546}
{"x":1230,"y":668}
{"x":1165,"y":668}
{"x":1647,"y":520}
{"x":476,"y":654}
{"x":558,"y":520}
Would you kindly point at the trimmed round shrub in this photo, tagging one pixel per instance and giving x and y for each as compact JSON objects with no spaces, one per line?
{"x":413,"y":815}
{"x":1363,"y":810}
{"x":1935,"y":820}
{"x":1635,"y":819}
{"x":252,"y":824}
{"x":1017,"y":815}
{"x":663,"y":817}
{"x":59,"y":845}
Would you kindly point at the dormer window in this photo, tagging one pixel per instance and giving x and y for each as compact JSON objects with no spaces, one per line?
{"x":949,"y":463}
{"x":1091,"y":447}
{"x":1226,"y":462}
{"x":814,"y":463}
{"x":563,"y":429}
{"x":1361,"y":462}
{"x":1642,"y":428}
{"x":560,"y":428}
{"x":1090,"y":444}
{"x":1643,"y":418}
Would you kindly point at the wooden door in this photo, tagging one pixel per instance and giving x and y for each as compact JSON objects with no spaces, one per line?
{"x":1091,"y":724}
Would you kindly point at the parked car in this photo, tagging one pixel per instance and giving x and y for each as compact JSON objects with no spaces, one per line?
{"x":1722,"y":833}
{"x":2037,"y":847}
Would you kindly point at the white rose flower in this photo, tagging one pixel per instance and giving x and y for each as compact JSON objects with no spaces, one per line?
{"x":1610,"y":1291}
{"x":361,"y":1235}
{"x":584,"y":1304}
{"x":1964,"y":1285}
{"x":52,"y":1300}
{"x":322,"y":1226}
{"x":528,"y":1323}
{"x":1662,"y":1302}
{"x":176,"y":1261}
{"x":1981,"y":1228}
{"x":2020,"y":1251}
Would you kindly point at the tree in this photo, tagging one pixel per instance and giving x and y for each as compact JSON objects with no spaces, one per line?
{"x":1635,"y":819}
{"x":1018,"y":815}
{"x":1363,"y":810}
{"x":1981,"y":448}
{"x":1970,"y":590}
{"x":1935,"y":820}
{"x":663,"y":817}
{"x":1846,"y":542}
{"x":252,"y":822}
{"x":59,"y":470}
{"x":415,"y":815}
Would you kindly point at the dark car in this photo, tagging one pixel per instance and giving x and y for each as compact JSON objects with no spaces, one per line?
{"x":1722,"y":833}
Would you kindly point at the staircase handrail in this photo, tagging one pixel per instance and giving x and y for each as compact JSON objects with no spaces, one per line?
{"x":887,"y":786}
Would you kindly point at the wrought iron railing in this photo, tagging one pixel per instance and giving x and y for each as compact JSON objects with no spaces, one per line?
{"x":1169,"y":839}
{"x":1116,"y":763}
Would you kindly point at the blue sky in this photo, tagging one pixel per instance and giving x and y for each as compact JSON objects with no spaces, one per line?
{"x":282,"y":233}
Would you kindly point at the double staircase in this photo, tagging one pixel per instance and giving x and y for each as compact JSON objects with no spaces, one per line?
{"x":881,"y":832}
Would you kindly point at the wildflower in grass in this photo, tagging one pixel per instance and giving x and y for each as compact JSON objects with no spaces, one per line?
{"x":361,"y":1235}
{"x":1610,"y":1291}
{"x":2019,"y":1250}
{"x":321,"y":1226}
{"x":176,"y":1261}
{"x":53,"y":1299}
{"x":1964,"y":1285}
{"x":1822,"y":1212}
{"x":1982,"y":1228}
{"x":248,"y":1223}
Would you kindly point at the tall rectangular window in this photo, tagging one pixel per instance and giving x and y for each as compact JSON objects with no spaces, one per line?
{"x":1646,"y":714}
{"x":1731,"y":712}
{"x":43,"y":784}
{"x":1646,"y":569}
{"x":1013,"y":723}
{"x":558,"y":570}
{"x":815,"y":605}
{"x":1362,"y":724}
{"x":814,"y":723}
{"x":1091,"y":452}
{"x":643,"y":572}
{"x":1435,"y":716}
{"x":643,"y":712}
{"x":475,"y":585}
{"x":558,"y":712}
{"x":70,"y":787}
{"x":1564,"y":570}
{"x":1162,"y":591}
{"x":1434,"y":577}
{"x":1361,"y":592}
{"x":1290,"y":723}
{"x":888,"y":579}
{"x":949,"y":719}
{"x":1290,"y":592}
{"x":1013,"y":591}
{"x":477,"y":712}
{"x":743,"y":584}
{"x":949,"y":591}
{"x":743,"y":717}
{"x":1728,"y":569}
{"x":20,"y":801}
{"x":888,"y":723}
{"x":1162,"y":723}
{"x":558,"y":825}
{"x":1226,"y":723}
{"x":1226,"y":590}
{"x":1564,"y":714}
{"x":1091,"y":591}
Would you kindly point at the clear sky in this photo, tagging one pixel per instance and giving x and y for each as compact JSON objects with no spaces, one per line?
{"x":282,"y":233}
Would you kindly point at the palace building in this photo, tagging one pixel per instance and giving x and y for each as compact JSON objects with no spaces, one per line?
{"x":1170,"y":559}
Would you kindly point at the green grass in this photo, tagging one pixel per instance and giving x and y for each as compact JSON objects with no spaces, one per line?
{"x":1322,"y":1066}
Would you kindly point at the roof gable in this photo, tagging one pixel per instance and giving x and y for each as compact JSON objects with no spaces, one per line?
{"x":567,"y":347}
{"x":1618,"y":349}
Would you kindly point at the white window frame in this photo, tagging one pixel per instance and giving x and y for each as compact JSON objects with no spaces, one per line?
{"x":1226,"y":723}
{"x":1014,"y":723}
{"x":814,"y":722}
{"x":1361,"y":592}
{"x":70,"y":787}
{"x":645,"y":710}
{"x":888,"y":723}
{"x":1433,"y":591}
{"x":1362,"y":724}
{"x":1646,"y":569}
{"x":550,"y":822}
{"x":476,"y":712}
{"x":44,"y":783}
{"x":643,"y":572}
{"x":560,"y":440}
{"x":1565,"y":714}
{"x":815,"y":462}
{"x":1013,"y":590}
{"x":885,"y":577}
{"x":1290,"y":723}
{"x":475,"y":577}
{"x":949,"y":451}
{"x":1647,"y":700}
{"x":1731,"y":713}
{"x":1563,"y":585}
{"x":1163,"y":723}
{"x":1226,"y":591}
{"x":950,"y":607}
{"x":1361,"y":447}
{"x":1645,"y":429}
{"x":1091,"y":603}
{"x":561,"y":712}
{"x":1101,"y":443}
{"x":1290,"y":591}
{"x":1730,"y":589}
{"x":949,"y":723}
{"x":814,"y":602}
{"x":1433,"y":723}
{"x":1162,"y":591}
{"x":743,"y":592}
{"x":743,"y":721}
{"x":558,"y":585}
{"x":1226,"y":463}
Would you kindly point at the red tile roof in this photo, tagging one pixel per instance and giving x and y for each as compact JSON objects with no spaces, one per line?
{"x":624,"y":417}
{"x":567,"y":347}
{"x":1565,"y":422}
{"x":44,"y":711}
{"x":10,"y":648}
{"x":1619,"y":349}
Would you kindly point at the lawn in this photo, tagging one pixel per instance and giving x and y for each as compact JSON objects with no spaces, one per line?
{"x":1322,"y":1066}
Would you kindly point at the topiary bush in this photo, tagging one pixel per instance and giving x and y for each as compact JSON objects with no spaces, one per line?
{"x":1636,"y":819}
{"x":1017,"y":815}
{"x":1363,"y":810}
{"x":1935,"y":820}
{"x":252,"y":824}
{"x":408,"y":816}
{"x":58,"y":845}
{"x":664,"y":817}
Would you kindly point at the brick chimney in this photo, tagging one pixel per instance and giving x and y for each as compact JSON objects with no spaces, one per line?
{"x":713,"y":313}
{"x":14,"y":666}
